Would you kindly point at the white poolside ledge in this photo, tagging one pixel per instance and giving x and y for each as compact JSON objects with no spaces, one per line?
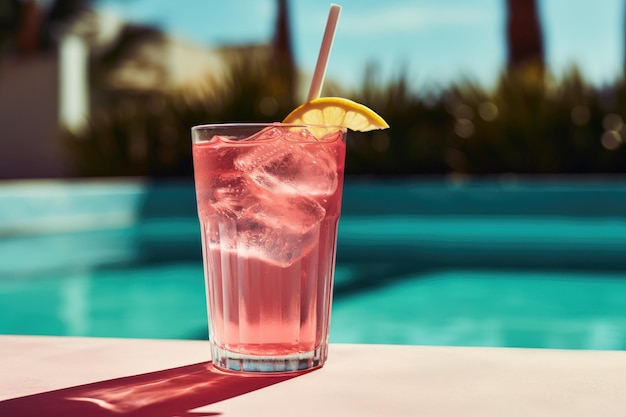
{"x":58,"y":376}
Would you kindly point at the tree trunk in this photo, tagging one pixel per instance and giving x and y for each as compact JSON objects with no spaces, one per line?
{"x":283,"y":57}
{"x":524,"y":35}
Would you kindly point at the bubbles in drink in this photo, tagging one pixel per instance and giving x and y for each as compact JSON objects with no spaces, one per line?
{"x":267,"y":134}
{"x":299,"y":135}
{"x":229,"y":192}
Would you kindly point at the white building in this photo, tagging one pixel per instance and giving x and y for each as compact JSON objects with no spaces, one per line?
{"x":43,"y":91}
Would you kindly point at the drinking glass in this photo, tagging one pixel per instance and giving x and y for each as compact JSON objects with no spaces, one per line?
{"x":269,"y":200}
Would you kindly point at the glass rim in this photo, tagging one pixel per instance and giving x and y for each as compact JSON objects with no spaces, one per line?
{"x":265,"y":124}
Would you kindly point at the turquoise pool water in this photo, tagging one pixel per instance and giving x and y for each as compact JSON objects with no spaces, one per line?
{"x":534,"y":264}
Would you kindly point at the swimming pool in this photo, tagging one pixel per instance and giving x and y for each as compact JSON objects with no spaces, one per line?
{"x":485,"y":263}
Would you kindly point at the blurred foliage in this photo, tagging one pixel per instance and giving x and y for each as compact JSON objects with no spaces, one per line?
{"x":149,"y":134}
{"x":526,"y":124}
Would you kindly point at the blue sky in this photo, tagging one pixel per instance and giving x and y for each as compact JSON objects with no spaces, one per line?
{"x":434,"y":41}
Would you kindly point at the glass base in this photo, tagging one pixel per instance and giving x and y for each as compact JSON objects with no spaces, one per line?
{"x":238,"y":362}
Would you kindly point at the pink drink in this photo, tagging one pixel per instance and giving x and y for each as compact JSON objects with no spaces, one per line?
{"x":269,"y":199}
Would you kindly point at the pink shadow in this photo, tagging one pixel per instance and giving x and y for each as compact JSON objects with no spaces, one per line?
{"x":164,"y":393}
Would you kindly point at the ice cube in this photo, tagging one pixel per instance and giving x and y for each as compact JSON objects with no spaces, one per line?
{"x":291,"y":168}
{"x":228,"y":190}
{"x":227,"y":186}
{"x":279,"y":230}
{"x":294,"y":214}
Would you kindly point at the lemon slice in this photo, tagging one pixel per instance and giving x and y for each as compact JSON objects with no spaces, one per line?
{"x":337,"y":111}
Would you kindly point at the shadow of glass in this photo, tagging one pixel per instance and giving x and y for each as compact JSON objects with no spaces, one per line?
{"x":165,"y":393}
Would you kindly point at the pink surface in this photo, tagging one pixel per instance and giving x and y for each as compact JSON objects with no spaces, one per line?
{"x":57,"y":376}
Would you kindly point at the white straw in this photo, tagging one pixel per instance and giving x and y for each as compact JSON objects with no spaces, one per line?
{"x":322,"y":60}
